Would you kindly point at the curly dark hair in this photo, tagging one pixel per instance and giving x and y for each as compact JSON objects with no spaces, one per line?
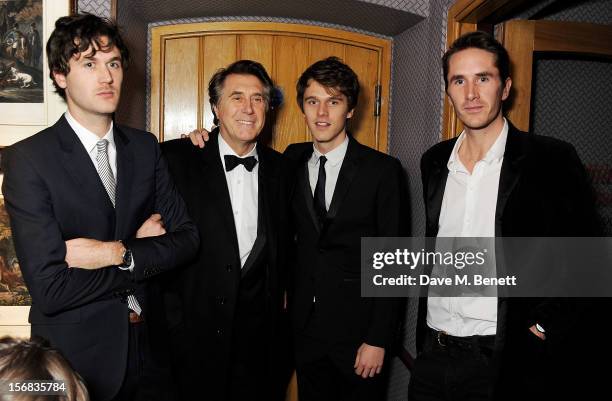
{"x":332,"y":73}
{"x":76,"y":34}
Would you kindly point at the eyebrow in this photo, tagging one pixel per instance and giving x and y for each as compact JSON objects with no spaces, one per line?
{"x":478,"y":74}
{"x":92,"y":57}
{"x":242,"y":93}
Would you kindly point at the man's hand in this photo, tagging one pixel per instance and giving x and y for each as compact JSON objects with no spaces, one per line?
{"x":152,"y":227}
{"x":86,"y":253}
{"x":535,"y":331}
{"x":198,"y":137}
{"x":369,"y":360}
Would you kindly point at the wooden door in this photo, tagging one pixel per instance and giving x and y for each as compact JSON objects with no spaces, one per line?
{"x":184,"y":57}
{"x":523,"y":38}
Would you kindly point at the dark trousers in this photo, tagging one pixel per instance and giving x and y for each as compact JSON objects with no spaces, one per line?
{"x":453,"y":372}
{"x":146,"y":379}
{"x":330,"y":375}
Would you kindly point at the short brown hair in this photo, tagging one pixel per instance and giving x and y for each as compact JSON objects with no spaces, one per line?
{"x":331,"y":73}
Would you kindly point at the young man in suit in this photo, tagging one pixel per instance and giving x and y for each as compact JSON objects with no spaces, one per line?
{"x":495,"y":181}
{"x":342,"y":191}
{"x":85,"y":199}
{"x":226,"y":308}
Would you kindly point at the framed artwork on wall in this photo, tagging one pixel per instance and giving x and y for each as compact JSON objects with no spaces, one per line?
{"x":28,"y":103}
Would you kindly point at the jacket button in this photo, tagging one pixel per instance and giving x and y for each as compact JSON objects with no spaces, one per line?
{"x":228,"y":268}
{"x":219,"y":332}
{"x":222,"y":300}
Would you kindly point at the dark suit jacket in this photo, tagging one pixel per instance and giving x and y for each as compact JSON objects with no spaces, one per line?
{"x":369,"y":200}
{"x":202,"y":300}
{"x":543,"y":192}
{"x":53,"y":193}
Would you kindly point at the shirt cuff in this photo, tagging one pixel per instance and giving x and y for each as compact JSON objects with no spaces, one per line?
{"x":130,"y":268}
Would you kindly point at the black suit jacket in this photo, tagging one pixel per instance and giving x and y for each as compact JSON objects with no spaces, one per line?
{"x":53,"y":193}
{"x":543,"y":192}
{"x":202,"y":299}
{"x":369,"y":200}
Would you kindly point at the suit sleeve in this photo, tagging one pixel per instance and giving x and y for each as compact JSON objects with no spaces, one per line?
{"x":392,"y":221}
{"x":40,"y":245}
{"x":179,"y":245}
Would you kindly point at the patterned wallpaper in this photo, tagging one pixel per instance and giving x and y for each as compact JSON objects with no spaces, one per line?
{"x":97,"y":7}
{"x":416,"y":121}
{"x":572,"y":101}
{"x":419,"y":7}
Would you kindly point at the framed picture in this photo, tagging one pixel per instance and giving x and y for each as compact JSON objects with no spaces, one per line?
{"x":28,"y":103}
{"x":15,"y":300}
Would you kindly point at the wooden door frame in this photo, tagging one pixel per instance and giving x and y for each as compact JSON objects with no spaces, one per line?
{"x":160,"y":34}
{"x":522,"y":38}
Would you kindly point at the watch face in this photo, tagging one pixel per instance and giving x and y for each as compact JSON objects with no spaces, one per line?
{"x":127,"y":257}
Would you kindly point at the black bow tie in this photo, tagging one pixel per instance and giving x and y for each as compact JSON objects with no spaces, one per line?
{"x":232,"y":161}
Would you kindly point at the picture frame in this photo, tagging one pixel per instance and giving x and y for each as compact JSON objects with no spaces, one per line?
{"x":28,"y":102}
{"x":19,"y":120}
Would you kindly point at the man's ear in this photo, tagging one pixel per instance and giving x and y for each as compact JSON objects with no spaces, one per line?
{"x":350,"y":114}
{"x":60,"y":79}
{"x":506,"y":88}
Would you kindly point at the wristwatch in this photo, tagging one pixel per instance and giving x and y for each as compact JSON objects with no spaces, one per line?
{"x":126,"y":259}
{"x":539,"y":328}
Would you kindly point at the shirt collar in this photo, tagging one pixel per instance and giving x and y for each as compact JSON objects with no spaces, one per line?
{"x":225,"y":149}
{"x":87,"y":137}
{"x":495,"y":154}
{"x":333,"y":157}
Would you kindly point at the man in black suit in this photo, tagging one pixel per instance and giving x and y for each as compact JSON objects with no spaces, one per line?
{"x":343,"y":191}
{"x":82,"y":195}
{"x":226,"y":308}
{"x":495,"y":181}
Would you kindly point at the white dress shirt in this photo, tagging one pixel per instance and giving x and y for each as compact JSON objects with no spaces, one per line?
{"x":468,"y":210}
{"x":332,"y":169}
{"x":243,"y":189}
{"x":90,"y":141}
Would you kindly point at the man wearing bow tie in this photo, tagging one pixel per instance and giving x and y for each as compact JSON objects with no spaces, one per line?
{"x":225,"y":309}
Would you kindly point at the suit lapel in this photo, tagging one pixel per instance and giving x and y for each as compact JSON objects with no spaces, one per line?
{"x":512,"y":165}
{"x":267,"y":181}
{"x":345,"y":177}
{"x":436,"y":185}
{"x":79,"y":166}
{"x":303,"y":185}
{"x":125,"y":174}
{"x":214,"y":178}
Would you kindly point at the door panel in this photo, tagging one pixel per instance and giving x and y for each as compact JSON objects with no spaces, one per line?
{"x":257,"y":48}
{"x":320,"y":49}
{"x":290,"y":126}
{"x":364,"y":124}
{"x":181,"y":95}
{"x":218,"y":51}
{"x":184,"y":57}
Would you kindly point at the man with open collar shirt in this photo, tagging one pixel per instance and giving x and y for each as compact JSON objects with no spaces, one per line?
{"x":495,"y":181}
